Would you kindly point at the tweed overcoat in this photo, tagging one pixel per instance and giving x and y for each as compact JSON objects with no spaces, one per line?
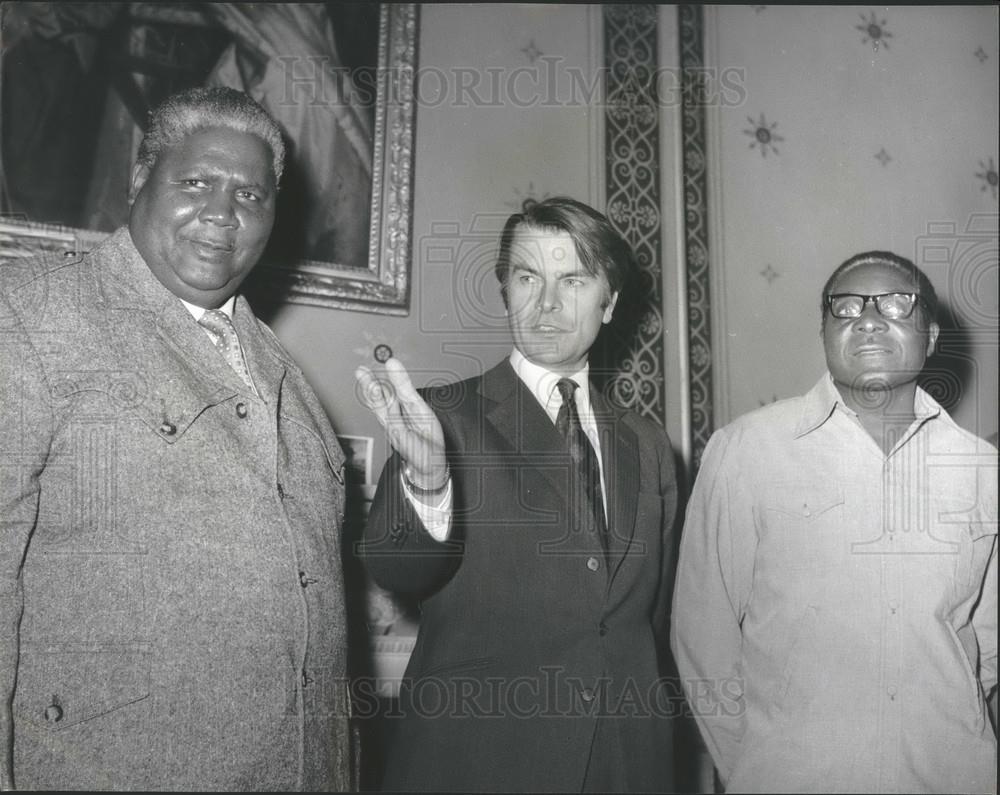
{"x":171,"y":594}
{"x":536,"y":656}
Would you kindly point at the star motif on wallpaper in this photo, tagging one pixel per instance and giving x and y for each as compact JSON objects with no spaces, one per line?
{"x":981,"y":54}
{"x":526,"y":199}
{"x":769,"y":273}
{"x":532,"y":51}
{"x":874,"y":30}
{"x":763,"y":135}
{"x":989,"y":176}
{"x":882,"y":156}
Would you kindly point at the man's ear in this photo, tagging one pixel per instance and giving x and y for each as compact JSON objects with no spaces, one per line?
{"x":933,"y":330}
{"x":140,"y":173}
{"x":609,"y":308}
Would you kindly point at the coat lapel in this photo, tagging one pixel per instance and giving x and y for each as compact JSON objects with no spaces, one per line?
{"x":266,"y":361}
{"x":177,"y":370}
{"x":620,"y":458}
{"x":516,"y":416}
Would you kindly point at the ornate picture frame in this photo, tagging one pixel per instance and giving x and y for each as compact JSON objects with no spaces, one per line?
{"x":383,"y":285}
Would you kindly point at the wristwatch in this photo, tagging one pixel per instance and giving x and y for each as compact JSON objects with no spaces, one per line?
{"x":422,"y":491}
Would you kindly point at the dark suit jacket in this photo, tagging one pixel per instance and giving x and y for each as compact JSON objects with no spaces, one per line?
{"x":171,"y":597}
{"x":528,"y":633}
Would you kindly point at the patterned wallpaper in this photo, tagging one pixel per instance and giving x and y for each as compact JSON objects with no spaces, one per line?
{"x":858,"y":129}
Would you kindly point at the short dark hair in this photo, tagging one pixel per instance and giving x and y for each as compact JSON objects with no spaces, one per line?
{"x":599,"y":246}
{"x":196,"y":109}
{"x":928,"y":297}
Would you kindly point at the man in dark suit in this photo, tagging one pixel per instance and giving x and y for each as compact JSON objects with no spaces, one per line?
{"x":171,"y":492}
{"x":532,"y":519}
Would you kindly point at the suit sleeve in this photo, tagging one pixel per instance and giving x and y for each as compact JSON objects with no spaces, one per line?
{"x":25,"y":436}
{"x":668,"y":539}
{"x":710,"y":598}
{"x":399,"y":552}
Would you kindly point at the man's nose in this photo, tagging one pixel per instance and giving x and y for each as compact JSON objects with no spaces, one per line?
{"x":219,"y":210}
{"x":870,"y":319}
{"x":549,"y":297}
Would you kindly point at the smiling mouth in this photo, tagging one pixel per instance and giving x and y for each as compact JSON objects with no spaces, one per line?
{"x":212,"y":247}
{"x":872,"y":350}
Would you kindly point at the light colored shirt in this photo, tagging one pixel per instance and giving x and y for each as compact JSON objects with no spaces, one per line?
{"x":835,"y":610}
{"x":197,"y":311}
{"x":541,"y":383}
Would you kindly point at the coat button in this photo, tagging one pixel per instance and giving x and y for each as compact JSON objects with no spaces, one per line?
{"x":53,"y":713}
{"x":305,"y":581}
{"x":593,"y":563}
{"x":241,"y":410}
{"x":168,"y":428}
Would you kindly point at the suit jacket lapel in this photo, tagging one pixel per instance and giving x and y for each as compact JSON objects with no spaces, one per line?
{"x":620,"y":458}
{"x":517,"y":417}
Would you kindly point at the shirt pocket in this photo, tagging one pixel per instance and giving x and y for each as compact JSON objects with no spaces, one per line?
{"x":974,"y":548}
{"x":801,"y":527}
{"x":963,"y":542}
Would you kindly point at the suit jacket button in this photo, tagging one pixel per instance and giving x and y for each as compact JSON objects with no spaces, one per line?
{"x":168,"y":428}
{"x":241,"y":410}
{"x":53,"y":713}
{"x":587,"y":694}
{"x":593,"y":563}
{"x":602,"y":629}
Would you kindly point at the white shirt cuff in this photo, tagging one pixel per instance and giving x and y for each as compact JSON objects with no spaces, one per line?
{"x":436,"y":518}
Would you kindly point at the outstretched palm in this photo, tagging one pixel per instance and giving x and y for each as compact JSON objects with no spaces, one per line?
{"x":412,"y":427}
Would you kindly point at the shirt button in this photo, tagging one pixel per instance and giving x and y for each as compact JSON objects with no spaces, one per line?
{"x":593,"y":563}
{"x":587,"y":694}
{"x":241,"y":410}
{"x":53,"y":713}
{"x":168,"y":428}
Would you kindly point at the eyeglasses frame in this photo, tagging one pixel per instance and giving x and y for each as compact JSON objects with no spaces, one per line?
{"x":915,"y":299}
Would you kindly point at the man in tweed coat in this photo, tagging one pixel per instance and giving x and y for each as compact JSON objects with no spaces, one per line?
{"x":171,"y":596}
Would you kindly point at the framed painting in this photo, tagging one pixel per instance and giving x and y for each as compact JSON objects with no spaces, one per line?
{"x":338,"y":78}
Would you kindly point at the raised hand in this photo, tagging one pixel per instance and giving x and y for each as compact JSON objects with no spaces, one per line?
{"x":412,"y":427}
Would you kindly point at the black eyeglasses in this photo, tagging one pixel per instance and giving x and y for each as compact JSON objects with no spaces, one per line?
{"x":893,"y":306}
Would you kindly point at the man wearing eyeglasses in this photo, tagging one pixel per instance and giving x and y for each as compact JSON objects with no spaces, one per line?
{"x":835,"y":610}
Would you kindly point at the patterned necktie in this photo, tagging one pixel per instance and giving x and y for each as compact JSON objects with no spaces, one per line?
{"x":223,"y":334}
{"x":583,"y":454}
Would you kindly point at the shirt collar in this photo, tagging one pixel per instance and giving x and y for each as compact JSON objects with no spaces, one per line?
{"x":824,"y":398}
{"x":198,"y":311}
{"x":542,"y":383}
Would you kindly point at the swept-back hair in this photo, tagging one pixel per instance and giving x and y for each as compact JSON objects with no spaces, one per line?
{"x":600,"y":248}
{"x":197,"y":109}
